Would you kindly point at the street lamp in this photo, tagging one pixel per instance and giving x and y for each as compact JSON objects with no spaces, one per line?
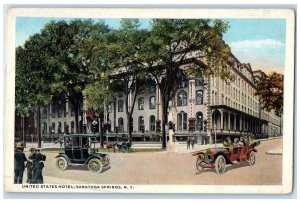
{"x":215,"y":135}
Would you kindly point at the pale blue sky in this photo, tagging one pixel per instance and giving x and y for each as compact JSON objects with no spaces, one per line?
{"x":260,"y":42}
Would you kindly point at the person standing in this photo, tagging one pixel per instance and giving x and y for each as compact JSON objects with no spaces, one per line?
{"x":19,"y":168}
{"x":30,"y":166}
{"x":188,"y":142}
{"x":38,"y":167}
{"x":193,"y":142}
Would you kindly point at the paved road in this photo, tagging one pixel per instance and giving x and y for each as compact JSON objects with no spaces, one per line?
{"x":171,"y":168}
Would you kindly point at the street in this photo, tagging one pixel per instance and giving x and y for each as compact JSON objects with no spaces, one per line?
{"x":171,"y":168}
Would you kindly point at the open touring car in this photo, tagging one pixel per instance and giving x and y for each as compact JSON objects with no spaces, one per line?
{"x":242,"y":149}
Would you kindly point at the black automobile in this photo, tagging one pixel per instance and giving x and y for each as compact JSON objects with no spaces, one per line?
{"x":81,"y":149}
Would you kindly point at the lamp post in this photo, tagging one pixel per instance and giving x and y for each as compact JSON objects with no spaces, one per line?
{"x":215,"y":135}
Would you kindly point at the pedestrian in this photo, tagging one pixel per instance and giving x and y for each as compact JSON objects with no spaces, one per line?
{"x":38,"y":166}
{"x":30,"y":166}
{"x":188,"y":142}
{"x":193,"y":142}
{"x":19,"y":168}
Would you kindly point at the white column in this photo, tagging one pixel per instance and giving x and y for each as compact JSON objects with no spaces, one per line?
{"x":229,"y":122}
{"x":192,"y":99}
{"x":222,"y":120}
{"x":67,"y":112}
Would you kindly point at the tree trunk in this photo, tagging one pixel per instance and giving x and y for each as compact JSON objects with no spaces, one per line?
{"x":129,"y":128}
{"x":164,"y":121}
{"x":76,"y":118}
{"x":39,"y":127}
{"x":101,"y":130}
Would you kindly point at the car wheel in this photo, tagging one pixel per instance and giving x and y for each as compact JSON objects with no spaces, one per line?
{"x":95,"y":165}
{"x":220,"y":165}
{"x":251,"y":160}
{"x":106,"y":160}
{"x":199,"y":167}
{"x":61,"y":163}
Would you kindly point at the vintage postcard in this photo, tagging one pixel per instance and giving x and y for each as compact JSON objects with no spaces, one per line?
{"x":149,"y":100}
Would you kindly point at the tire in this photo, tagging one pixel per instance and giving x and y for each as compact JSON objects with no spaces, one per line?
{"x":61,"y":163}
{"x":220,"y":165}
{"x":199,"y":168}
{"x":251,"y":159}
{"x":106,"y":160}
{"x":95,"y":165}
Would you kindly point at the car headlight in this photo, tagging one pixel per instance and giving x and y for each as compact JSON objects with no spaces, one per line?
{"x":201,"y":157}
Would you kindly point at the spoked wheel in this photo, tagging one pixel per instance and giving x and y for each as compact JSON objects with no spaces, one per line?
{"x":106,"y":160}
{"x":199,"y":167}
{"x":220,"y":165}
{"x":251,"y":160}
{"x":95,"y":165}
{"x":61,"y":163}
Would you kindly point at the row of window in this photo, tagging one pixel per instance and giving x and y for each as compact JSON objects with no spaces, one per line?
{"x":59,"y":113}
{"x":58,"y":129}
{"x":181,"y":100}
{"x":181,"y":122}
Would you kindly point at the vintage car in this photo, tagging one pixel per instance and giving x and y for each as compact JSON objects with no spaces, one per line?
{"x":231,"y":153}
{"x":80,"y":149}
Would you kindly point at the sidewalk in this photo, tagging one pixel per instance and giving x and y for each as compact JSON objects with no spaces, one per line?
{"x":178,"y":147}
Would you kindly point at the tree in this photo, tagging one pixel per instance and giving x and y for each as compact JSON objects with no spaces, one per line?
{"x":123,"y":47}
{"x":31,"y":90}
{"x":270,"y":92}
{"x":178,"y":47}
{"x":59,"y":60}
{"x":72,"y":50}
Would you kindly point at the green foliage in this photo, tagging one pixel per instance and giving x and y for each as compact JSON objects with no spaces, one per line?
{"x":98,"y":95}
{"x":270,"y":90}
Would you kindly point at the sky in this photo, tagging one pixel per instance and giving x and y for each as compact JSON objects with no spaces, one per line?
{"x":260,"y":42}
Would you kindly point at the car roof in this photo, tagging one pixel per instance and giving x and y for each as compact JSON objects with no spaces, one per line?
{"x":80,"y":135}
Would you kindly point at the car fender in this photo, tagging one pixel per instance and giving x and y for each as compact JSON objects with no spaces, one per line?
{"x":224,"y":155}
{"x":65,"y":156}
{"x":91,"y":157}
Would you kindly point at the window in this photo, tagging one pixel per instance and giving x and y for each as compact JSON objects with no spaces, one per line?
{"x":199,"y":82}
{"x":182,"y":121}
{"x":152,"y":123}
{"x":59,"y":127}
{"x":199,"y":97}
{"x":141,"y":103}
{"x":120,"y":106}
{"x":152,"y":102}
{"x":72,"y":112}
{"x":59,"y":113}
{"x":141,"y":89}
{"x":120,"y":94}
{"x":152,"y":86}
{"x":65,"y":127}
{"x":53,"y":112}
{"x":72,"y":127}
{"x":53,"y":128}
{"x":141,"y":124}
{"x":44,"y":127}
{"x":75,"y":141}
{"x":199,"y":121}
{"x":120,"y":125}
{"x":182,"y":98}
{"x":183,"y":83}
{"x":45,"y":113}
{"x":109,"y":109}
